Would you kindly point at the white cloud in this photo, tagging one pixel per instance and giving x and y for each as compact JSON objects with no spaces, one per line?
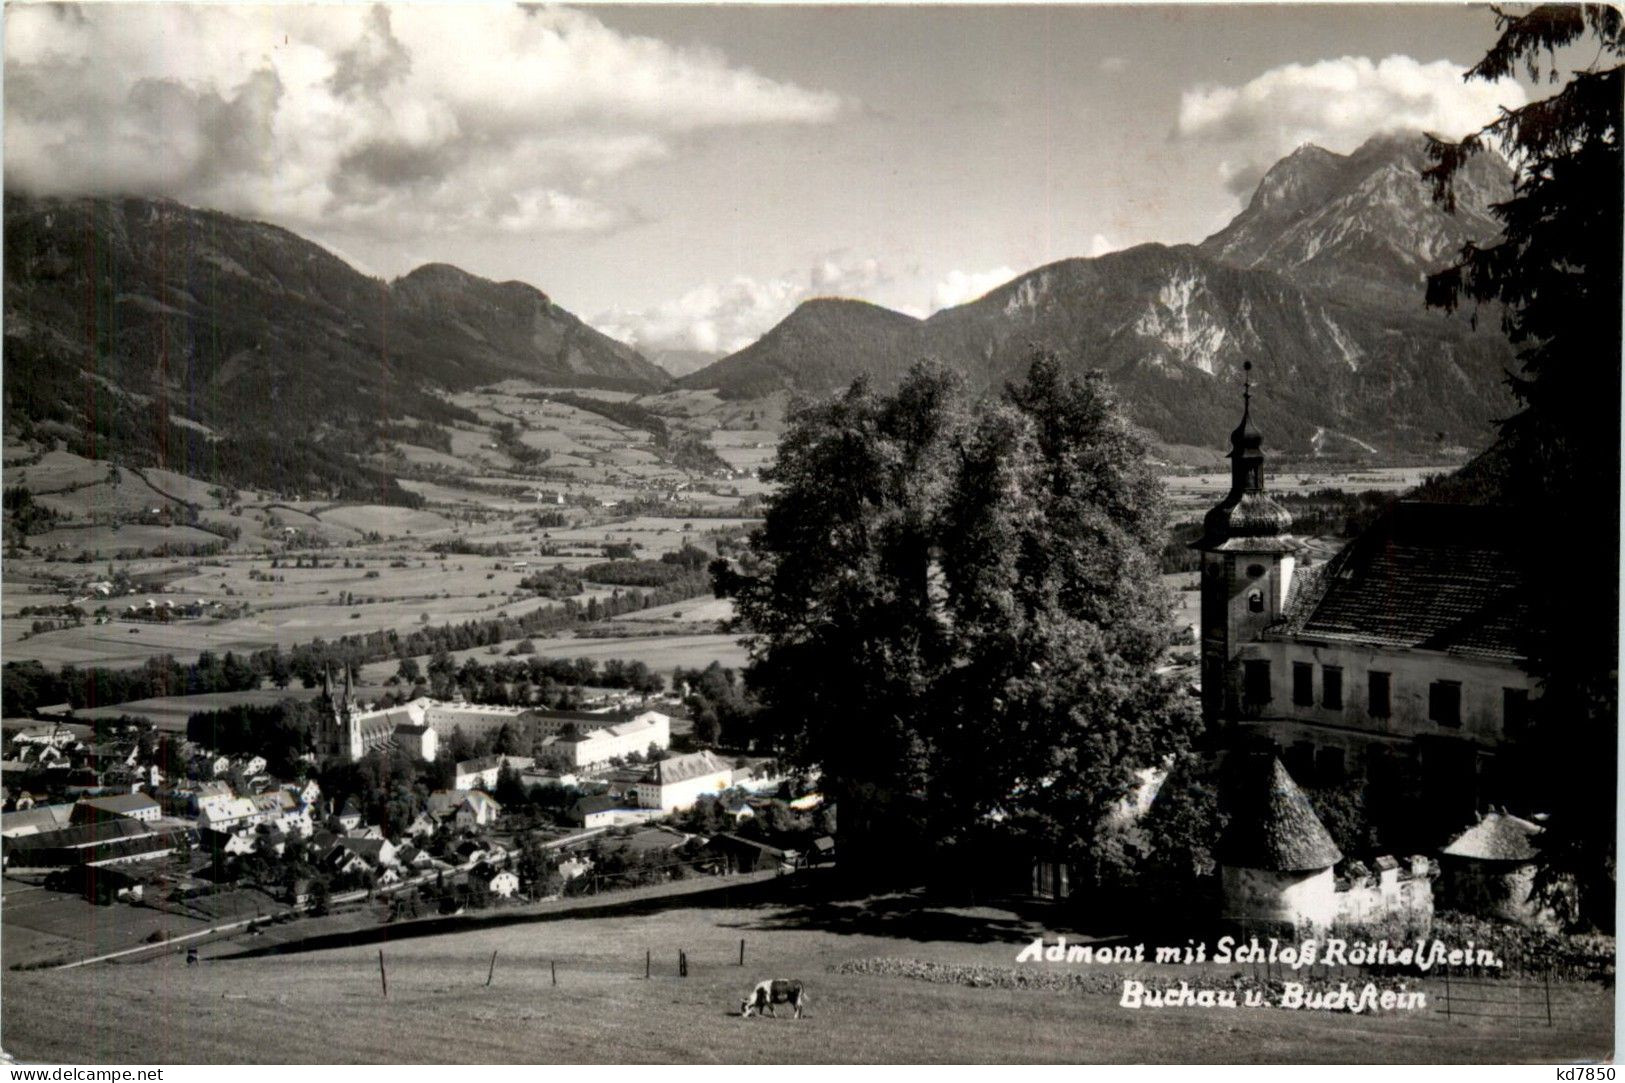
{"x":957,"y":286}
{"x":725,"y":317}
{"x":1100,"y":244}
{"x":383,"y":120}
{"x":1337,"y":104}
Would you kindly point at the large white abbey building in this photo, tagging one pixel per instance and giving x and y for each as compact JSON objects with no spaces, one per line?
{"x":349,"y":732}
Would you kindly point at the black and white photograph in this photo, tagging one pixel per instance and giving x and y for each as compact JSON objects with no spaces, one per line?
{"x":758,"y":533}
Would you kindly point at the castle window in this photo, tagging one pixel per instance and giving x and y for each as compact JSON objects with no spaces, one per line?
{"x":1255,"y":602}
{"x":1255,"y":570}
{"x":1444,"y":702}
{"x":1255,"y":681}
{"x":1376,"y":700}
{"x":1514,"y":711}
{"x":1303,"y":684}
{"x":1331,"y":687}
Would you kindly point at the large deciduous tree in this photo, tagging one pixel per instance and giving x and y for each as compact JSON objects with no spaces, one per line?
{"x":1554,"y":274}
{"x":957,"y":614}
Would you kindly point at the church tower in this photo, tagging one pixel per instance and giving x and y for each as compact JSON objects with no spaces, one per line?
{"x":340,"y":735}
{"x":1248,"y":556}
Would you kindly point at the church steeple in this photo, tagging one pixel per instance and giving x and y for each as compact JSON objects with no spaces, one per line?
{"x":1248,"y":557}
{"x":1246,"y":444}
{"x":1247,"y":511}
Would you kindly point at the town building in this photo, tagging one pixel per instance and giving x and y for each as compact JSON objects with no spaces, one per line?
{"x":137,"y":806}
{"x":477,"y":810}
{"x":596,"y":748}
{"x":33,"y":820}
{"x":348,"y":731}
{"x":478,"y":773}
{"x":678,"y":782}
{"x":227,"y":813}
{"x":481,"y":773}
{"x":114,"y":841}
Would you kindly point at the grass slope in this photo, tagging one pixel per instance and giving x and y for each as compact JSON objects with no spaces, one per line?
{"x":326,"y":1006}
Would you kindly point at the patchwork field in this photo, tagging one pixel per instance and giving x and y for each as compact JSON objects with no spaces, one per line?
{"x":326,"y":1006}
{"x":364,"y":568}
{"x":495,"y":520}
{"x":171,"y":712}
{"x":1198,"y":492}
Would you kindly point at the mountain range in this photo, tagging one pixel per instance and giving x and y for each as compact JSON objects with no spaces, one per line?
{"x":1319,"y":282}
{"x":144,"y":329}
{"x":147,"y":301}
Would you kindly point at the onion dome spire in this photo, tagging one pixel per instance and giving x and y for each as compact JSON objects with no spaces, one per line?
{"x":1247,"y":511}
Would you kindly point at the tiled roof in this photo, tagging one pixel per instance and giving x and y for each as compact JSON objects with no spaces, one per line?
{"x":480,"y":763}
{"x":1439,"y":577}
{"x":682,"y":768}
{"x":1272,"y":825}
{"x":40,"y":817}
{"x":1497,"y":837}
{"x":124,"y":804}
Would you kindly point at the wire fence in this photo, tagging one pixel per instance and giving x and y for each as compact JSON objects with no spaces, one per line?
{"x":1523,"y":1000}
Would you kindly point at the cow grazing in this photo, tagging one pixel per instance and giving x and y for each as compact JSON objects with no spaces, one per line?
{"x":775,"y":991}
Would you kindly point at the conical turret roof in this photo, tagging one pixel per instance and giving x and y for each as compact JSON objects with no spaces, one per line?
{"x":1272,"y":825}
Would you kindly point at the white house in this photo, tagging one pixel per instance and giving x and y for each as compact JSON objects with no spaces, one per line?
{"x":477,"y":774}
{"x":225,"y":813}
{"x":137,"y":806}
{"x":478,"y":810}
{"x":680,"y":781}
{"x":596,"y":747}
{"x":504,"y":884}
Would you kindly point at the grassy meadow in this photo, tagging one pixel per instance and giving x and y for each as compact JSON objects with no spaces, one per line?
{"x":327,"y":1006}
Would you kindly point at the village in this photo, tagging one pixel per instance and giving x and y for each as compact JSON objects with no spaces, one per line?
{"x":604,"y":803}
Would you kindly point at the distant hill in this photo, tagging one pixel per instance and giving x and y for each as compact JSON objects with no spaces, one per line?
{"x":824,"y":344}
{"x":683,"y":362}
{"x":1318,"y":283}
{"x":137,"y":328}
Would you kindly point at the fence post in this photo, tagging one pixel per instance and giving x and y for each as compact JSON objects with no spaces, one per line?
{"x":489,"y":974}
{"x":383,"y":979}
{"x":741,"y":951}
{"x":647,"y":956}
{"x":1548,"y":984}
{"x":554,"y":966}
{"x":682,"y":963}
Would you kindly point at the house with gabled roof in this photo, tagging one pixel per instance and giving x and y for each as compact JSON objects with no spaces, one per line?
{"x":137,"y":806}
{"x":477,"y":810}
{"x":678,"y":782}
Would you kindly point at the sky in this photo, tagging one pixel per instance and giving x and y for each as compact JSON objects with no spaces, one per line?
{"x":682,"y":177}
